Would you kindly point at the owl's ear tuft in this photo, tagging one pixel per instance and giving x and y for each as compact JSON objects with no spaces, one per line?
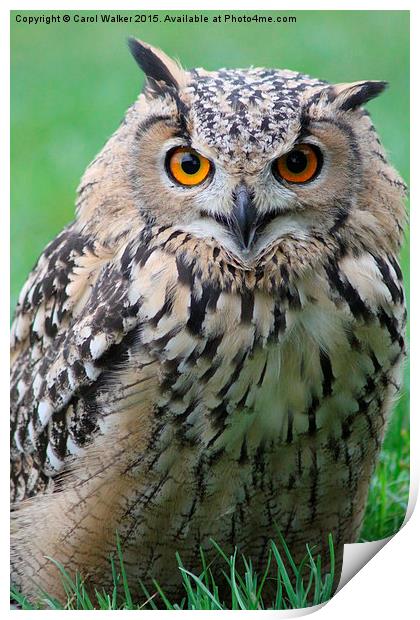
{"x":157,"y":66}
{"x":353,"y":95}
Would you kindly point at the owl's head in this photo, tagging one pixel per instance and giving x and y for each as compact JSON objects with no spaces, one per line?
{"x":248,"y":157}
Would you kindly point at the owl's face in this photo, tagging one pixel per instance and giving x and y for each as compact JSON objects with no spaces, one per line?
{"x":248,"y":157}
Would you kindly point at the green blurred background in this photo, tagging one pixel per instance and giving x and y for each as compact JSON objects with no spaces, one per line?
{"x":71,"y":83}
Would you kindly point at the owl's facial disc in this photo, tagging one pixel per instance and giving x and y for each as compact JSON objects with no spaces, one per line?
{"x":246,"y":157}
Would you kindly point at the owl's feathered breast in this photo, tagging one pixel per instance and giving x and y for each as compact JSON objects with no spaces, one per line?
{"x":236,"y":356}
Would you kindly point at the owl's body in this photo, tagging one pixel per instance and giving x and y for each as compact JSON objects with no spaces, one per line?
{"x":182,"y":374}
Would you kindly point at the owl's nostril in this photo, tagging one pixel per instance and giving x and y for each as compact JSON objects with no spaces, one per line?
{"x":245,"y":216}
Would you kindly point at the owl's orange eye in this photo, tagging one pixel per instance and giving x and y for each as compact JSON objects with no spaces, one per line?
{"x":299,"y":165}
{"x":187,"y":167}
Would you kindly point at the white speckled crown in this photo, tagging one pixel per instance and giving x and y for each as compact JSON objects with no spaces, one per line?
{"x":250,"y":109}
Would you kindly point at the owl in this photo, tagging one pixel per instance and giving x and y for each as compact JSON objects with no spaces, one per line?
{"x":211,"y":350}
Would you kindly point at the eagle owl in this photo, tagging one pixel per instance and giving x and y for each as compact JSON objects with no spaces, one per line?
{"x":212,"y":348}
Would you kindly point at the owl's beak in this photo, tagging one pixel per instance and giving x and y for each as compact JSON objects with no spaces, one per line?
{"x":245,"y":216}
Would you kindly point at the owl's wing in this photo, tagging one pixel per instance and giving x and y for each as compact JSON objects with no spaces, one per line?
{"x":73,"y":308}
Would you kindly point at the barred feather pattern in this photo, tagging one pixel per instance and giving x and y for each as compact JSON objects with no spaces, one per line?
{"x":271,"y":390}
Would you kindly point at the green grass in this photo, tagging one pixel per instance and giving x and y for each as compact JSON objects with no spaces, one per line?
{"x":295,"y":585}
